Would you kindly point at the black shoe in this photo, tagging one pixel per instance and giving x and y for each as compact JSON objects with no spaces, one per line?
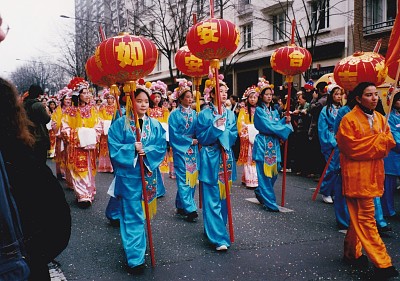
{"x":180,"y":211}
{"x":84,"y":204}
{"x":114,"y":222}
{"x":384,"y":229}
{"x":259,"y":198}
{"x":385,"y":273}
{"x":136,"y":270}
{"x":191,"y":217}
{"x":361,"y":262}
{"x":271,"y":210}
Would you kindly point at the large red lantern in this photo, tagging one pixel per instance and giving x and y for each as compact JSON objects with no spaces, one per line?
{"x":213,"y":39}
{"x":360,"y":67}
{"x":290,"y":60}
{"x":95,"y":74}
{"x":191,"y":65}
{"x":126,"y":57}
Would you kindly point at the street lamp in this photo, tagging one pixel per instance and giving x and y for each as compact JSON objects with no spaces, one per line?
{"x":102,"y":34}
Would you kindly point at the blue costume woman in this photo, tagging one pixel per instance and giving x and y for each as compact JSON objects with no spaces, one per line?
{"x":216,"y":132}
{"x":341,"y":210}
{"x":266,"y":150}
{"x":182,"y":124}
{"x":327,"y":140}
{"x":392,"y":161}
{"x":124,"y":152}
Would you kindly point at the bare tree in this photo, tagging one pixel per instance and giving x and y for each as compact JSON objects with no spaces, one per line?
{"x":166,"y":23}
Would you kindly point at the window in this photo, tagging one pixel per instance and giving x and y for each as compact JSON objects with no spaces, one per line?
{"x":278,"y":27}
{"x":246,"y":35}
{"x":158,"y":68}
{"x":379,"y":14}
{"x":319,"y":14}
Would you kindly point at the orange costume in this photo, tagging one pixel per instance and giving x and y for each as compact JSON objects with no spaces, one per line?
{"x":363,"y":145}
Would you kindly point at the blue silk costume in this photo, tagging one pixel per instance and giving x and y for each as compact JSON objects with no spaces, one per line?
{"x":392,"y":166}
{"x":182,"y":125}
{"x":341,"y":211}
{"x":128,"y":180}
{"x":327,"y":140}
{"x":211,"y":171}
{"x":267,"y":153}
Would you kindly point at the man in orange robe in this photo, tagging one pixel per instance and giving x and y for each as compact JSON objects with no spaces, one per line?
{"x":364,"y":141}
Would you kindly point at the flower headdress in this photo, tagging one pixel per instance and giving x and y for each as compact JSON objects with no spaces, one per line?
{"x":263,"y":83}
{"x":250,"y":90}
{"x":64,"y":93}
{"x":106,"y":94}
{"x":210,"y":85}
{"x":77,"y":84}
{"x":159,"y":87}
{"x":329,"y":88}
{"x":183,"y":86}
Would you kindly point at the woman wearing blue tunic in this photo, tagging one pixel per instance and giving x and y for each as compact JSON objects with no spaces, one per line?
{"x":216,"y":132}
{"x":182,"y":124}
{"x":327,"y":140}
{"x":392,"y":161}
{"x":266,"y":151}
{"x":124,"y":152}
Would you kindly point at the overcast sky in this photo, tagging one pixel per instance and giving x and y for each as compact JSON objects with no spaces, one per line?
{"x":35,"y":26}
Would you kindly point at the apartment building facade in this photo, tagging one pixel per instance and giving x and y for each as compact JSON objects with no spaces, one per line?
{"x":325,"y":27}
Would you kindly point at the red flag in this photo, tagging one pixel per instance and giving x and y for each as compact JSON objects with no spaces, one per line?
{"x":393,"y":52}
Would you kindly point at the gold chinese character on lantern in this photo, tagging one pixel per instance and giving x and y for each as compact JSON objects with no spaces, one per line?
{"x":129,"y":54}
{"x":348,"y":78}
{"x":381,"y":71}
{"x":296,"y":59}
{"x":207,"y":32}
{"x":193,"y":64}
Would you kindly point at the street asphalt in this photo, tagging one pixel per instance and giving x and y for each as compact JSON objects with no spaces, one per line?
{"x":302,"y":243}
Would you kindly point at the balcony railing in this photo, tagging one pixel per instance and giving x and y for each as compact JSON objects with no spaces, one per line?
{"x":377,"y":27}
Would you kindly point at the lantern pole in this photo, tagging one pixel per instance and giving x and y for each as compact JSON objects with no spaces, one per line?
{"x":132,"y":88}
{"x":322,"y":176}
{"x":197,"y":82}
{"x":212,"y":9}
{"x":215,"y":66}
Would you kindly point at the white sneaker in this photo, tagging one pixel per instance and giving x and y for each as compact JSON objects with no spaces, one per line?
{"x":222,"y":248}
{"x":327,"y":199}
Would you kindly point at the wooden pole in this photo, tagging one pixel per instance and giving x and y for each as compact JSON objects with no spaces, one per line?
{"x":224,"y":156}
{"x":322,"y":176}
{"x":144,"y":191}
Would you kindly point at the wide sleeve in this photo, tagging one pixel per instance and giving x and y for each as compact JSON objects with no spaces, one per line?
{"x":178,"y":139}
{"x":207,"y":133}
{"x":273,"y":126}
{"x":121,"y":144}
{"x":156,"y":147}
{"x":355,"y":146}
{"x":325,"y":132}
{"x":241,"y":122}
{"x":229,"y":135}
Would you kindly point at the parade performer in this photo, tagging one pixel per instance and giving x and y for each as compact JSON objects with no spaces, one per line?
{"x":247,"y":133}
{"x":341,"y":210}
{"x":62,"y":172}
{"x":124,"y":152}
{"x":266,"y":150}
{"x":81,"y":129}
{"x":182,"y":125}
{"x":161,"y":113}
{"x":51,"y":108}
{"x":392,"y":161}
{"x":327,"y":139}
{"x":106,"y":112}
{"x":363,"y":144}
{"x":214,"y":132}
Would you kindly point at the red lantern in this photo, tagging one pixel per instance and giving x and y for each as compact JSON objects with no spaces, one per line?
{"x":360,"y":67}
{"x":94,"y":73}
{"x":392,"y":70}
{"x":191,"y":65}
{"x":290,"y":60}
{"x":213,"y":39}
{"x":126,"y":57}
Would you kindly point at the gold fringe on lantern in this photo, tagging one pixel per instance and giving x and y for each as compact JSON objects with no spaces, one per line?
{"x":214,"y":63}
{"x":270,"y":171}
{"x":191,"y":178}
{"x":152,"y":208}
{"x":222,"y":191}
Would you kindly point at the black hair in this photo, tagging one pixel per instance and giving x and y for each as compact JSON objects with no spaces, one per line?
{"x":329,"y":100}
{"x":34,"y":91}
{"x":181,"y":96}
{"x":152,"y":104}
{"x":321,"y":86}
{"x":75,"y":98}
{"x":260,"y":98}
{"x":248,"y":105}
{"x":395,"y":99}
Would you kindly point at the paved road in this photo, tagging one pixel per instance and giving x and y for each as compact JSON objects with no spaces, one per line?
{"x":301,"y":245}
